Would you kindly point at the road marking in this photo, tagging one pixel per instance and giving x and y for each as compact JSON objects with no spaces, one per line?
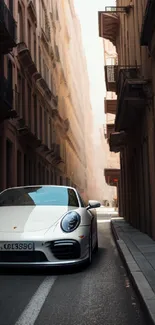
{"x":32,"y":310}
{"x":102,"y":221}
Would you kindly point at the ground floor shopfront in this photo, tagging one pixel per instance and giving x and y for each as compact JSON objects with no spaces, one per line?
{"x":137,"y":177}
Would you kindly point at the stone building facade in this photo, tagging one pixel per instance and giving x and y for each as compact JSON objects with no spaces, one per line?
{"x":130,"y":27}
{"x":42,"y":102}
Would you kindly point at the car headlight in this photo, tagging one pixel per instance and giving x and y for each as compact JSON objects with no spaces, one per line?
{"x":70,"y":221}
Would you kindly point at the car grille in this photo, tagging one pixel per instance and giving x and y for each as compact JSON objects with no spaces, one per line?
{"x":66,"y":249}
{"x":26,"y":257}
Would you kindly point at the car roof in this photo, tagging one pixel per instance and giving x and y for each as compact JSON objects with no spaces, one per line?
{"x":27,"y":186}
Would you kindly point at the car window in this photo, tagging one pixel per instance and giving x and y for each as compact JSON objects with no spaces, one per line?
{"x":41,"y":195}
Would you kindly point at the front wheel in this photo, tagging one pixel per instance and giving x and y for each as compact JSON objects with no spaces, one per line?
{"x":89,"y":261}
{"x":96,"y":246}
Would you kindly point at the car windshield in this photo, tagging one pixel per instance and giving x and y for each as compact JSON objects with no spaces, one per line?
{"x":41,"y":195}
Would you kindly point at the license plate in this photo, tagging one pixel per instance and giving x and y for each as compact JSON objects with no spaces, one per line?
{"x":14,"y":246}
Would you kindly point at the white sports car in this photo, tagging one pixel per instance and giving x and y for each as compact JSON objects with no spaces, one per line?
{"x":46,"y":225}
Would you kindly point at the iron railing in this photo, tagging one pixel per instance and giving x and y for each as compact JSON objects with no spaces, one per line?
{"x":7,"y":19}
{"x":127,"y":72}
{"x":118,"y":9}
{"x":111,"y":77}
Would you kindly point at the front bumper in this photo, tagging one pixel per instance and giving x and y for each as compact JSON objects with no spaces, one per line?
{"x":62,"y":252}
{"x":58,"y":264}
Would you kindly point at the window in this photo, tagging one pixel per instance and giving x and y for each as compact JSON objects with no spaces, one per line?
{"x":39,"y":173}
{"x":35,"y":116}
{"x":29,"y":106}
{"x":29,"y":36}
{"x":49,"y":132}
{"x":30,"y":172}
{"x":47,"y":176}
{"x":25,"y":170}
{"x":52,"y":177}
{"x":35,"y":49}
{"x":56,"y":13}
{"x":45,"y":128}
{"x":57,"y":53}
{"x":40,"y":60}
{"x":44,"y":21}
{"x":20,"y":24}
{"x":9,"y":88}
{"x":20,"y":92}
{"x":19,"y":165}
{"x":9,"y":173}
{"x":41,"y":126}
{"x":23,"y":97}
{"x":11,"y":6}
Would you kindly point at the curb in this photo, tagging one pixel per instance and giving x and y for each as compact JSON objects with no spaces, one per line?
{"x":133,"y":270}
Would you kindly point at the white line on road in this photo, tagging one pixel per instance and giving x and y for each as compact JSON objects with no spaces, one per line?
{"x":32,"y":310}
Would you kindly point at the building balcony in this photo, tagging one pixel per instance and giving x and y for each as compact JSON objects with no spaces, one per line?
{"x":148,"y":27}
{"x":110,"y":106}
{"x":56,"y":154}
{"x":52,"y":153}
{"x":8,"y":29}
{"x":109,"y":21}
{"x":111,"y":77}
{"x":26,"y":134}
{"x":8,"y":100}
{"x":117,"y":141}
{"x":110,"y":129}
{"x":131,"y":100}
{"x":112,"y":176}
{"x":108,"y":25}
{"x":24,"y":57}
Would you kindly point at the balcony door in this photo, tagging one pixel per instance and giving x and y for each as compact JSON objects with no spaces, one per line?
{"x":9,"y":95}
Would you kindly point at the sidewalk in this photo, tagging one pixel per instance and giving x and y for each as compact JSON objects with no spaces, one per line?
{"x":138,"y":252}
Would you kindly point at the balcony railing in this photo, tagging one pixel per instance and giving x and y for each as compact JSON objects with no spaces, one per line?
{"x":117,"y":141}
{"x":125,"y":73}
{"x":111,"y":77}
{"x":118,"y":9}
{"x":148,"y":27}
{"x":8,"y":29}
{"x":131,"y":99}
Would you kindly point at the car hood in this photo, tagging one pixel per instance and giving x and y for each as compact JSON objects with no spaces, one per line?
{"x":30,"y":218}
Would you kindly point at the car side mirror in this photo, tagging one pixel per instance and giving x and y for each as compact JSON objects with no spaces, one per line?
{"x":92,"y":204}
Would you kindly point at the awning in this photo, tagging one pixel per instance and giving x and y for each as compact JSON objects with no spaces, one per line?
{"x":110,"y":106}
{"x":108,"y":25}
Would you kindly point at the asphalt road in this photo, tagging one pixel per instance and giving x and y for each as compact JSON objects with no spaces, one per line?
{"x":100,"y":294}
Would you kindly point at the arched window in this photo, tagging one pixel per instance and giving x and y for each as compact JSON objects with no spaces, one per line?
{"x":20,"y":24}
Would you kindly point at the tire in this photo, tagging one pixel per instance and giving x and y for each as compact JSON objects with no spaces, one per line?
{"x":96,"y":246}
{"x":89,"y":261}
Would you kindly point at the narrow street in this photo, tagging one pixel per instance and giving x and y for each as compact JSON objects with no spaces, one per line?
{"x":100,"y":294}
